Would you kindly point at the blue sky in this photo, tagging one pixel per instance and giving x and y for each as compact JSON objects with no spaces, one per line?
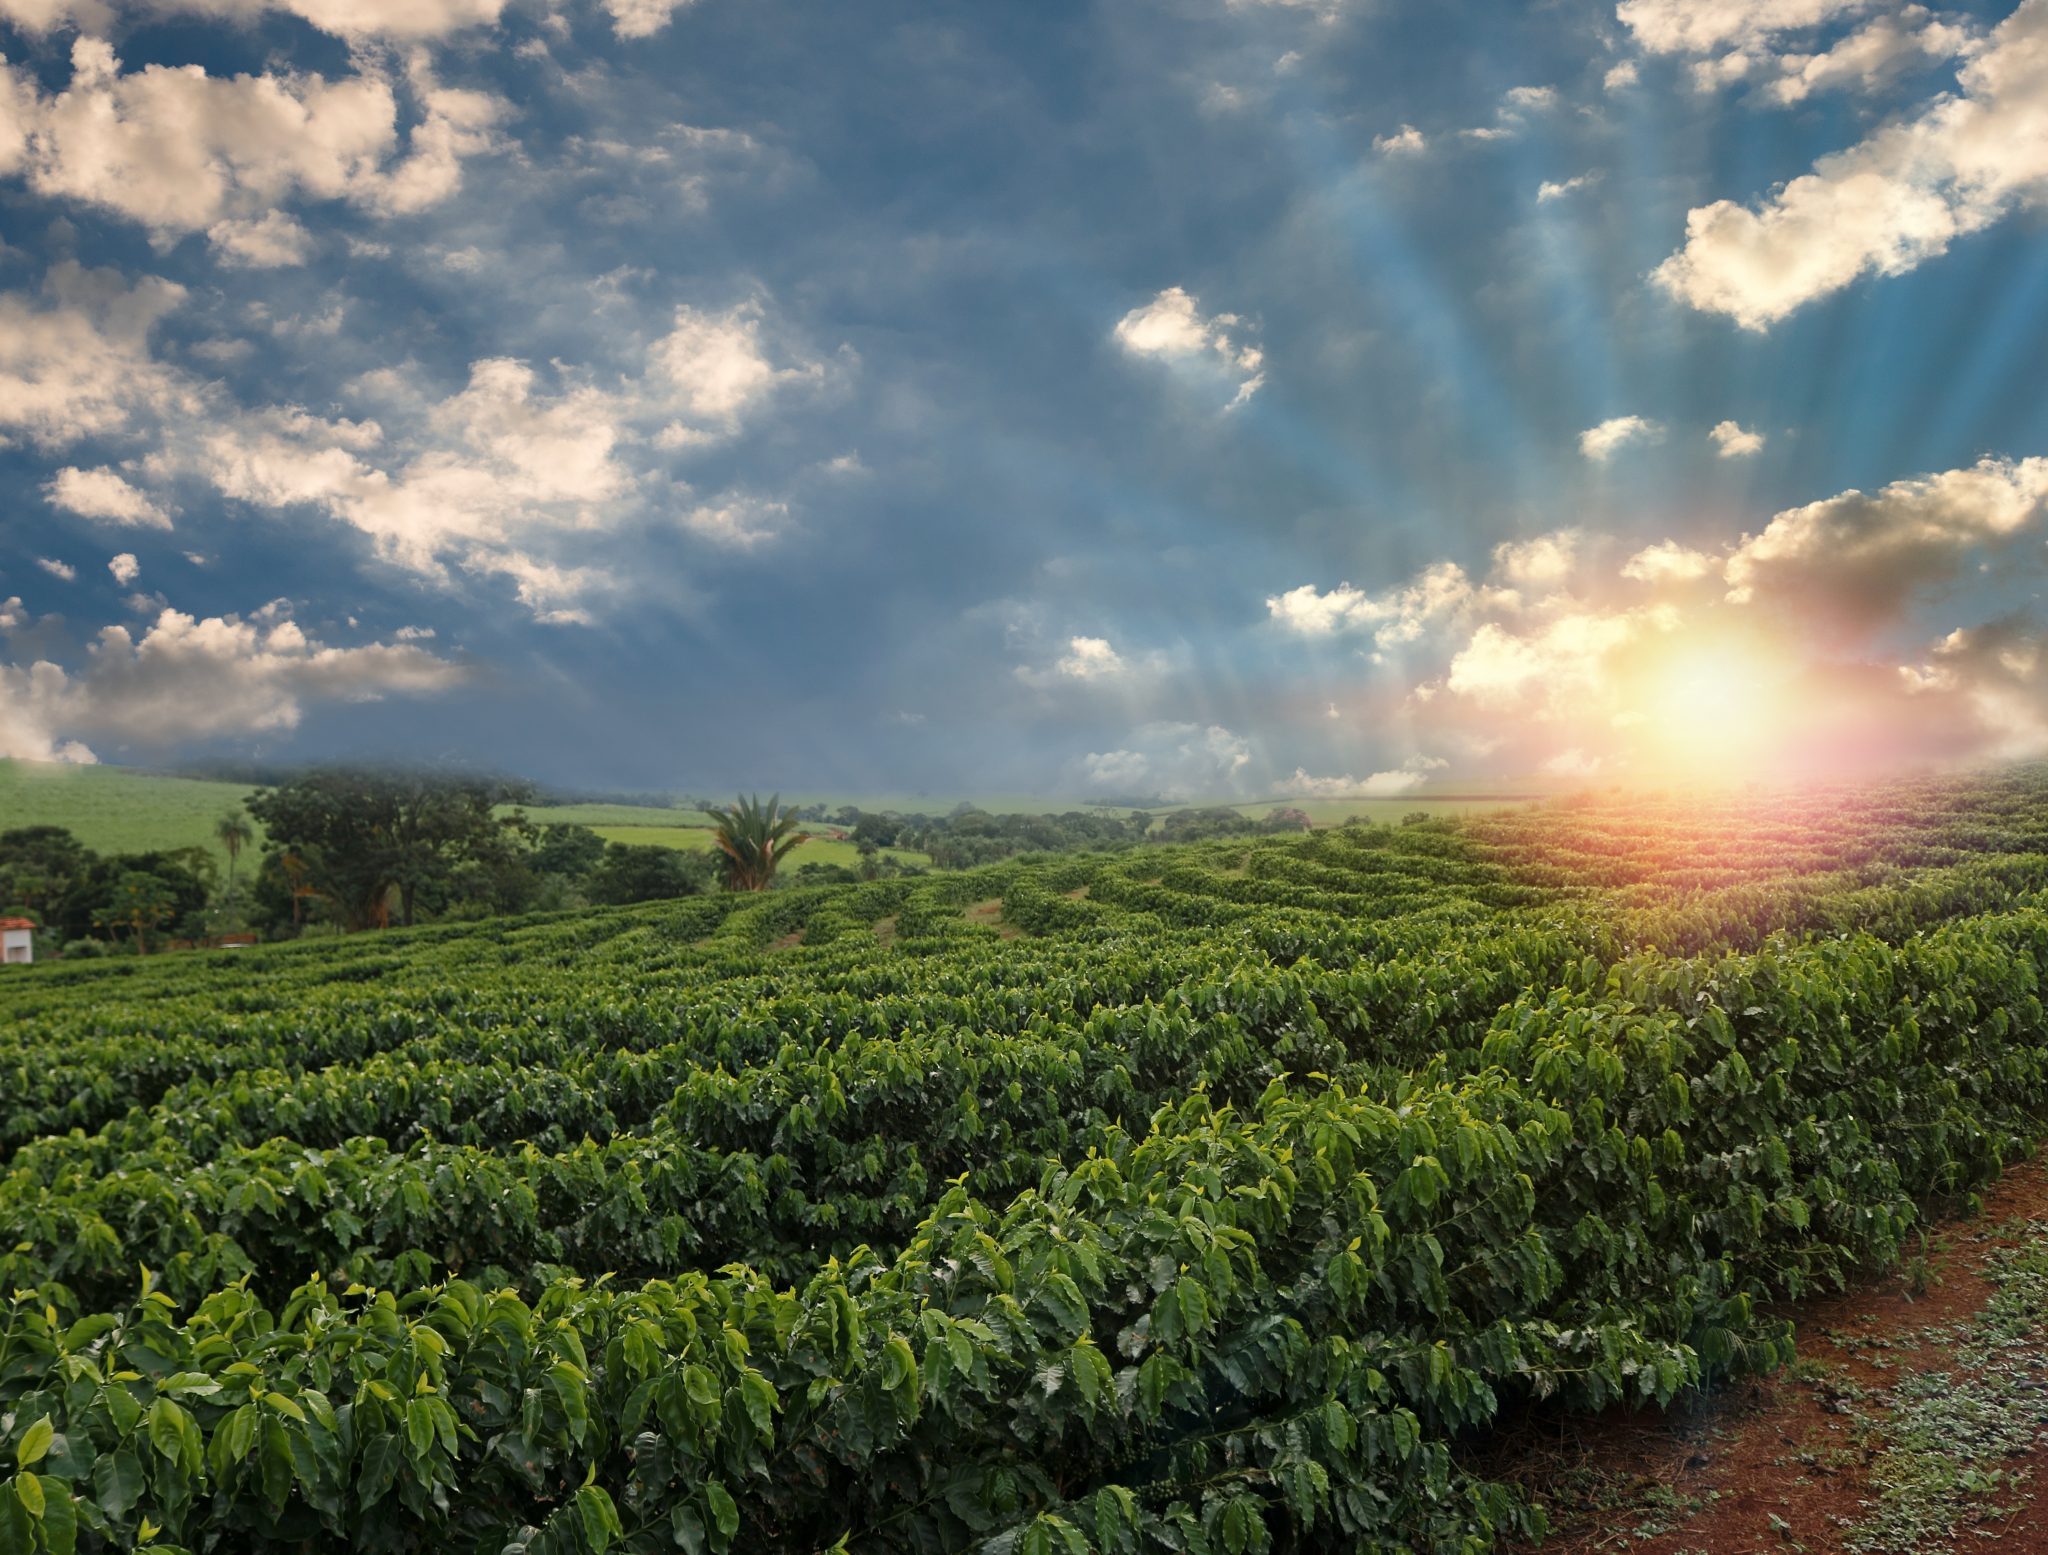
{"x":1177,"y":396}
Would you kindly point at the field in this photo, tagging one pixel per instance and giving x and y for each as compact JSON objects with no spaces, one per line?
{"x":115,"y":810}
{"x":1216,"y":1199}
{"x":818,"y":850}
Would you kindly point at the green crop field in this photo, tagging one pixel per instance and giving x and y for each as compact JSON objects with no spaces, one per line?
{"x":115,"y":810}
{"x":817,"y":850}
{"x":1221,"y":1199}
{"x":600,"y":815}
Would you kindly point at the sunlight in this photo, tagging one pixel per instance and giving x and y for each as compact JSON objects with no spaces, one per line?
{"x":1713,"y":709}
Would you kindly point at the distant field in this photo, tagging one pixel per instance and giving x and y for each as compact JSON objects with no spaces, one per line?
{"x":113,"y":810}
{"x":1330,"y":812}
{"x":819,"y":850}
{"x":612,"y":815}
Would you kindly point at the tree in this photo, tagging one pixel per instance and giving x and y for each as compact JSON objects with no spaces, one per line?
{"x":754,"y":838}
{"x":641,"y":872}
{"x":39,"y":866}
{"x":92,"y":901}
{"x":234,"y":833}
{"x":138,"y":901}
{"x":363,"y":835}
{"x":573,"y":851}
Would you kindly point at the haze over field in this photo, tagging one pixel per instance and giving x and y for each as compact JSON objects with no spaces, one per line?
{"x":1218,"y":398}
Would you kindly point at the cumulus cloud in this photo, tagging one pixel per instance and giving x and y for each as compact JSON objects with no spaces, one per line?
{"x":1172,"y":328}
{"x":1852,"y":561}
{"x":1702,"y":26}
{"x":642,"y":18}
{"x":351,"y":19}
{"x":1406,"y":141}
{"x":717,"y":369}
{"x":104,"y":495}
{"x":1175,"y":760}
{"x":58,"y":569}
{"x":1621,"y":76}
{"x":1406,"y":778}
{"x":1873,"y":55}
{"x":1888,"y":204}
{"x":1397,"y":615}
{"x":1604,"y":441}
{"x":739,"y":522}
{"x":1669,"y":562}
{"x":187,"y":678}
{"x":1732,"y":442}
{"x":1779,"y":644}
{"x":1091,"y":661}
{"x":75,"y":359}
{"x":180,"y":151}
{"x":1557,"y":189}
{"x":125,"y":568}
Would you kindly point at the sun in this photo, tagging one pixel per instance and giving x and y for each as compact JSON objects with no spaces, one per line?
{"x":1710,"y":708}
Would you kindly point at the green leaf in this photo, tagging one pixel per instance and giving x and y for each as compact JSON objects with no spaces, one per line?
{"x":724,"y":1511}
{"x":601,"y":1522}
{"x":60,"y":1519}
{"x":117,"y":1483}
{"x":34,"y":1443}
{"x":29,"y":1491}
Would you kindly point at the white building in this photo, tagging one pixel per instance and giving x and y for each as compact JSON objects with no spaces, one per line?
{"x":17,"y":940}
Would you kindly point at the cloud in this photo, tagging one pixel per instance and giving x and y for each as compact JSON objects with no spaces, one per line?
{"x":1090,"y":658}
{"x":1091,"y":661}
{"x":180,"y":151}
{"x":1621,"y":76}
{"x":1406,"y":141}
{"x":352,"y":19}
{"x":125,"y":568}
{"x":642,"y":18}
{"x":1409,"y":776}
{"x":1549,"y":190}
{"x":188,"y":679}
{"x":1669,"y":562}
{"x":739,"y":522}
{"x":1888,"y":204}
{"x":102,"y":494}
{"x":57,"y":569}
{"x":717,"y":370}
{"x":1174,"y":760}
{"x":1544,"y":563}
{"x":1172,"y":328}
{"x":1732,"y":442}
{"x":75,"y":361}
{"x":1528,"y":99}
{"x":1702,"y":26}
{"x":1399,"y":615}
{"x":1601,"y":443}
{"x":1851,"y":562}
{"x":1885,"y":47}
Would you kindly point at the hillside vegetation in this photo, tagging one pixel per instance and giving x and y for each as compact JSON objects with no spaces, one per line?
{"x":1205,"y":1198}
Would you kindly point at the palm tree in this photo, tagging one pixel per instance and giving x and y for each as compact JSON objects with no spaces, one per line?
{"x":754,"y":839}
{"x":234,"y":833}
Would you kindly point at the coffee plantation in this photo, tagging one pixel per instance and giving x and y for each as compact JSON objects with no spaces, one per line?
{"x":1215,"y":1198}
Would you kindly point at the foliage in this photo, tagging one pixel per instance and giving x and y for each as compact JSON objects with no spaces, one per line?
{"x":630,"y":872}
{"x":1198,"y":1199}
{"x":755,"y":838}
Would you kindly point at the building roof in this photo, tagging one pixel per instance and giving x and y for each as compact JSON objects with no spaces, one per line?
{"x":17,"y":923}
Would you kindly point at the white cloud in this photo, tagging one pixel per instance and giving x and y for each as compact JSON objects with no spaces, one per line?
{"x":1406,"y":141}
{"x":1550,"y":190}
{"x":1852,"y":561}
{"x":104,"y":495}
{"x":1733,"y":442}
{"x":717,"y":370}
{"x":1406,"y":778}
{"x":738,"y":522}
{"x":1883,"y":48}
{"x":352,"y":19}
{"x":180,"y":151}
{"x":1602,"y":442}
{"x":1621,"y":76}
{"x":1172,"y":328}
{"x":57,"y":569}
{"x":1543,"y":563}
{"x":1669,"y":562}
{"x":1090,"y":658}
{"x":189,"y":679}
{"x":642,"y":18}
{"x":1399,"y":615}
{"x":1176,"y":760}
{"x":75,"y":362}
{"x":1702,"y":26}
{"x":1891,"y":202}
{"x":1528,"y":99}
{"x":125,"y":568}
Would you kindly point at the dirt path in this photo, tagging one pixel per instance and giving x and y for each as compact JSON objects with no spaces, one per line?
{"x":1914,"y":1422}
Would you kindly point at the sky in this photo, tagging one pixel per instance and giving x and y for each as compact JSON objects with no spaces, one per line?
{"x":1193,"y":398}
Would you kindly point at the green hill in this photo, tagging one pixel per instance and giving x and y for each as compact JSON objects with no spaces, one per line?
{"x":117,"y":809}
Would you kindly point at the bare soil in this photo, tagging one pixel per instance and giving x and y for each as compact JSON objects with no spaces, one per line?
{"x":1915,"y":1421}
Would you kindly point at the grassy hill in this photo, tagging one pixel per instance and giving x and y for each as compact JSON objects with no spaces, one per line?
{"x":116,"y":809}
